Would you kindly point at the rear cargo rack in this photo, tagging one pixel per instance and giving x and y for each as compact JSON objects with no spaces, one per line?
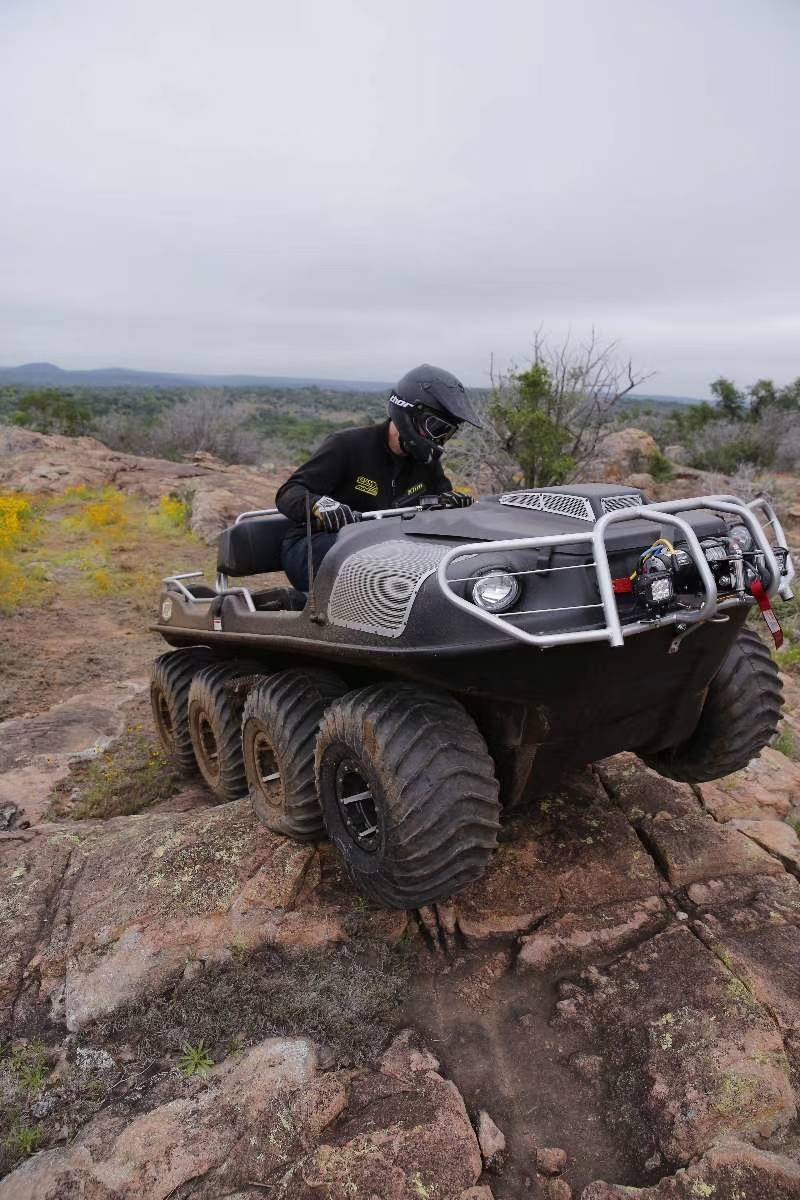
{"x":612,"y":629}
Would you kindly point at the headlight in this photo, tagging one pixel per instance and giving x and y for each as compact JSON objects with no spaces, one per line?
{"x":654,"y":590}
{"x":660,"y":590}
{"x":741,"y":537}
{"x":494,"y":590}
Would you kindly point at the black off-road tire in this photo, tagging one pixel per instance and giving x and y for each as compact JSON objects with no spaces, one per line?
{"x":740,"y":717}
{"x":170,"y":680}
{"x":215,"y":722}
{"x":280,"y":723}
{"x":433,"y":794}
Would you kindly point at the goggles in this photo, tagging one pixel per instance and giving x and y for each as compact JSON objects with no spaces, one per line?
{"x":433,"y":426}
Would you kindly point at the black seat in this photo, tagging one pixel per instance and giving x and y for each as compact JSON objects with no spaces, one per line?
{"x":253,"y":546}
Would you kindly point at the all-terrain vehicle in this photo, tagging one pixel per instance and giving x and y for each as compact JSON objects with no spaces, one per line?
{"x":445,"y":661}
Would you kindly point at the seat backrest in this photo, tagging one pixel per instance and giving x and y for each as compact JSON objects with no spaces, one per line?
{"x":253,"y":546}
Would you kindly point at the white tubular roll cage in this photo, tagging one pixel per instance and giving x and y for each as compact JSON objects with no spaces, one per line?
{"x":613,"y":631}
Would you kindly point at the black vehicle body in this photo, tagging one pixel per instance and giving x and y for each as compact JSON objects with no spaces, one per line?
{"x":379,"y":609}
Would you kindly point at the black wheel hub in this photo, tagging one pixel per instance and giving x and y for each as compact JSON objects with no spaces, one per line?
{"x":357,"y":805}
{"x":164,"y":720}
{"x":208,"y":745}
{"x":266,"y":768}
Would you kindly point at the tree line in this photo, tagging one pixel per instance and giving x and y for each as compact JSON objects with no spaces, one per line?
{"x":542,"y":421}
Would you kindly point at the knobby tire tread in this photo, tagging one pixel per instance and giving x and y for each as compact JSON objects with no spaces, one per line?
{"x":740,"y":717}
{"x":439,"y":791}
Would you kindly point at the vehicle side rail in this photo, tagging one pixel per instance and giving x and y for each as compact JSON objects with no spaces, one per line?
{"x":377,"y":515}
{"x":176,"y":583}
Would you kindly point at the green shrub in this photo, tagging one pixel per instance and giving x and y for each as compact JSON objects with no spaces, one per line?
{"x":788,"y":658}
{"x":195,"y":1060}
{"x":50,"y":411}
{"x":659,"y":466}
{"x":786,"y":743}
{"x":22,"y":1141}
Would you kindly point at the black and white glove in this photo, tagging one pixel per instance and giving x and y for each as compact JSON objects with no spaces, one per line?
{"x":330,"y":516}
{"x":454,"y":500}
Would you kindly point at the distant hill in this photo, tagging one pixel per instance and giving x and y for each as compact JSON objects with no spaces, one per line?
{"x":44,"y":374}
{"x":639,"y":398}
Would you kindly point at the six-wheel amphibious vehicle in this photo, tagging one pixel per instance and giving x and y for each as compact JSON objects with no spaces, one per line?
{"x":446,"y":661}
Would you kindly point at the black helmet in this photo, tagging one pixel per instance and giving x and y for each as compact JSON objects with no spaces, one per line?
{"x":428,"y":405}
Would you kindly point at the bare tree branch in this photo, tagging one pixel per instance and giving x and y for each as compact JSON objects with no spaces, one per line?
{"x":585,"y":382}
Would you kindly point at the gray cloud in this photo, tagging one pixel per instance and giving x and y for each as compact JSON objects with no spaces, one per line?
{"x":343,"y":187}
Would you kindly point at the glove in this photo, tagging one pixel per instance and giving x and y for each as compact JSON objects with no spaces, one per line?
{"x":454,"y":499}
{"x":330,"y":516}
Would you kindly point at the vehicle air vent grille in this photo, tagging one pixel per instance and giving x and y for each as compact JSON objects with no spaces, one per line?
{"x":376,"y":587}
{"x":560,"y":503}
{"x":613,"y":503}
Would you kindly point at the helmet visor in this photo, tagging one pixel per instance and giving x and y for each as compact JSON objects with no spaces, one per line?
{"x":434,"y":427}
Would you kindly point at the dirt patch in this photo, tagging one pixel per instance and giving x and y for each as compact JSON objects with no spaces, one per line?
{"x":133,"y":774}
{"x":51,"y":652}
{"x":37,"y":752}
{"x":493,"y":1034}
{"x":89,"y":571}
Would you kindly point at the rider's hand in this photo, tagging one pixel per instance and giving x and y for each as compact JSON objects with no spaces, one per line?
{"x":454,"y":499}
{"x":330,"y":516}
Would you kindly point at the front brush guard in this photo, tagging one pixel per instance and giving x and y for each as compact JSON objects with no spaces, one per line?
{"x":613,"y":631}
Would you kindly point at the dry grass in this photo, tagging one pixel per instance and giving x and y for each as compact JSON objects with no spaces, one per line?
{"x":90,"y":543}
{"x":346,"y":998}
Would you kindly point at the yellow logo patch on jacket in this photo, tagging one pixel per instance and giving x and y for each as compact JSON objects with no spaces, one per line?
{"x":368,"y":486}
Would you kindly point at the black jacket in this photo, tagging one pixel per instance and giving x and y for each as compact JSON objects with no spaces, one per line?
{"x":356,"y":467}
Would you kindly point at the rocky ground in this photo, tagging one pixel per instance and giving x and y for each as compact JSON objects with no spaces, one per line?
{"x":48,"y":464}
{"x":192,"y":1007}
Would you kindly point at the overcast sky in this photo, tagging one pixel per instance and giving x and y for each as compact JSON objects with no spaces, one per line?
{"x":348,"y":187}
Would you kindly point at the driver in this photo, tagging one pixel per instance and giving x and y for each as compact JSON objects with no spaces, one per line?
{"x":391,"y":465}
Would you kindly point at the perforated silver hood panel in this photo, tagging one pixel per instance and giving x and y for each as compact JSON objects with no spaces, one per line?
{"x":375,"y":589}
{"x":566,"y":505}
{"x":613,"y":503}
{"x":551,"y":502}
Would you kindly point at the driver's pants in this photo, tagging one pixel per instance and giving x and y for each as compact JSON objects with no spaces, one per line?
{"x":294,"y":556}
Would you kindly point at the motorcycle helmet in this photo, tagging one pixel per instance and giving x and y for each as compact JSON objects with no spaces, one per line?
{"x":428,"y":405}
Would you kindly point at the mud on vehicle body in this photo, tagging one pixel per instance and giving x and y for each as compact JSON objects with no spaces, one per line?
{"x":448,"y":663}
